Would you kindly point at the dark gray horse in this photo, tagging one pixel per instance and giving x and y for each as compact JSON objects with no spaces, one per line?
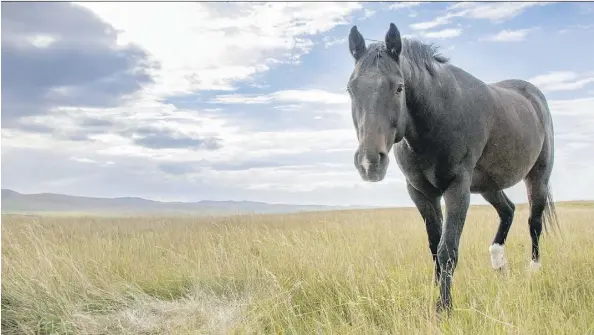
{"x":454,"y":135}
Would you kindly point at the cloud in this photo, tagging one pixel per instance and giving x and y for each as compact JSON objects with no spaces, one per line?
{"x":155,"y":138}
{"x":85,"y":160}
{"x":209,"y":46}
{"x":510,"y":35}
{"x":328,"y":41}
{"x":139,"y":129}
{"x":367,"y":13}
{"x":56,"y":54}
{"x":401,"y":5}
{"x":163,"y":132}
{"x":431,"y":24}
{"x":240,"y":45}
{"x":576,"y":27}
{"x":572,"y":107}
{"x":82,"y":160}
{"x":303,"y":96}
{"x":491,"y":11}
{"x":285,"y":110}
{"x":562,"y":80}
{"x":495,"y":12}
{"x":442,"y":34}
{"x":586,"y":8}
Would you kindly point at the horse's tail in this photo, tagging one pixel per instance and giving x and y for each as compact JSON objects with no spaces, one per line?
{"x":550,"y":213}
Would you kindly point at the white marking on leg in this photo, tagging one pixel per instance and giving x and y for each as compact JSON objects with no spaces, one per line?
{"x":365,"y":163}
{"x":535,"y":265}
{"x":497,"y":259}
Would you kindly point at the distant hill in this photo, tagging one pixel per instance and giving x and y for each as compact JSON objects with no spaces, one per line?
{"x":17,"y":203}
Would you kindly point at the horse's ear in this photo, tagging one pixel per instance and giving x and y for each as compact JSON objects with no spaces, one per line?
{"x":356,"y":43}
{"x":393,"y":41}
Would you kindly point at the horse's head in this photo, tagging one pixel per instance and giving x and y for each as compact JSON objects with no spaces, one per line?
{"x":378,"y":105}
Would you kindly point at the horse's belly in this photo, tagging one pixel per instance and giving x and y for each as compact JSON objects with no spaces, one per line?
{"x":505,"y":172}
{"x":483,"y":182}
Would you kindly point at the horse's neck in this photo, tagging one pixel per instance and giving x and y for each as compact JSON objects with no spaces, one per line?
{"x":423,"y":113}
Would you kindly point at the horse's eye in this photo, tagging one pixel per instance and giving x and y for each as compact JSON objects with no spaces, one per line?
{"x":399,"y":88}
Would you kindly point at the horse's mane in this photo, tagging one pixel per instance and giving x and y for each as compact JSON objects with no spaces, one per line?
{"x":416,"y":52}
{"x":420,"y":51}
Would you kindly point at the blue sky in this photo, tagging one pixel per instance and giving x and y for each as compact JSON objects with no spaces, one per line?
{"x":247,"y":101}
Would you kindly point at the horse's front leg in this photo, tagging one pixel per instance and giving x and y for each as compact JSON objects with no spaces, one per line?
{"x":430,"y":210}
{"x":457,"y":201}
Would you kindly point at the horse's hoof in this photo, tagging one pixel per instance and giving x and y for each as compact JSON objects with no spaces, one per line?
{"x":443,"y":309}
{"x":503,"y":270}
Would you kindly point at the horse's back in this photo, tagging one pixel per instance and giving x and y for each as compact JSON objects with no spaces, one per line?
{"x":539,"y":103}
{"x":544,"y":163}
{"x":519,"y":127}
{"x":530,"y":92}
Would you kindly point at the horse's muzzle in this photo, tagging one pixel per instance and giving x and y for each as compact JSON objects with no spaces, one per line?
{"x":372,"y":166}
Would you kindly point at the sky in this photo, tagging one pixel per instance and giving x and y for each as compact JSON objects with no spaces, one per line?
{"x":247,"y":101}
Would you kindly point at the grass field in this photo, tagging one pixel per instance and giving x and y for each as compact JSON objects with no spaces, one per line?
{"x":352,"y":272}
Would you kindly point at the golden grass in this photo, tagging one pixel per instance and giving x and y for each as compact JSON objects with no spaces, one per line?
{"x":351,"y":272}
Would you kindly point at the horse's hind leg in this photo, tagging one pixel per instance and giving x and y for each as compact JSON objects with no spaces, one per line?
{"x":537,"y":187}
{"x":537,"y":197}
{"x":505,"y":209}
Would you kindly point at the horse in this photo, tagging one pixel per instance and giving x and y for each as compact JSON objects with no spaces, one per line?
{"x":453,"y":135}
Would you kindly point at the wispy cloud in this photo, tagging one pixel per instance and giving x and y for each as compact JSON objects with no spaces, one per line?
{"x":85,"y":160}
{"x":328,"y":41}
{"x":367,"y":13}
{"x":476,"y":10}
{"x":442,"y":34}
{"x":573,"y":107}
{"x":438,"y":21}
{"x":562,"y":81}
{"x":307,"y":96}
{"x":510,"y":35}
{"x":576,"y":27}
{"x":401,"y":5}
{"x":586,"y":8}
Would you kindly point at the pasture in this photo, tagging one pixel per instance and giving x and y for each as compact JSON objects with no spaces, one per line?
{"x":347,"y":272}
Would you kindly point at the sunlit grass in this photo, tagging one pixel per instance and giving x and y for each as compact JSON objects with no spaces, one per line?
{"x":352,"y":272}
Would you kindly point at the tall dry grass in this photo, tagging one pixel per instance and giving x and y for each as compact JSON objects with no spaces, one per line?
{"x":357,"y":272}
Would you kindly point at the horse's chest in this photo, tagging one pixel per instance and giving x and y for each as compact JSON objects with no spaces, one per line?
{"x":435,"y":169}
{"x":439,"y":175}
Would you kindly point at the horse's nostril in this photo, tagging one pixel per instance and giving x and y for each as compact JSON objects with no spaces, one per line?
{"x":382,"y":156}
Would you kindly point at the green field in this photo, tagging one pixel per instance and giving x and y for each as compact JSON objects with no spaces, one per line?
{"x":348,"y":272}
